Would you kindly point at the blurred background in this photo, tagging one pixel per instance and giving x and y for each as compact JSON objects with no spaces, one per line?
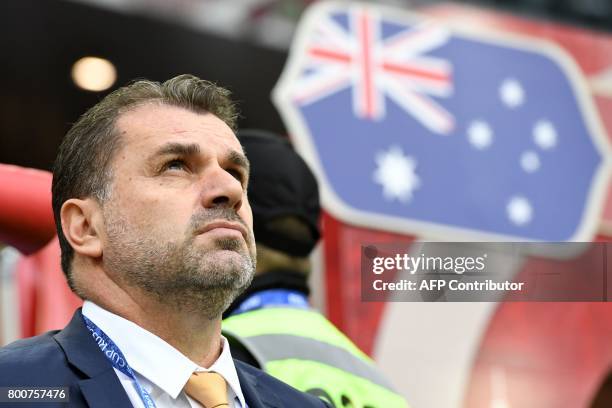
{"x":61,"y":57}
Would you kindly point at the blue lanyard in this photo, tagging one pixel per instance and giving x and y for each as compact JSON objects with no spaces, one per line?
{"x":115,"y":356}
{"x":272,"y":298}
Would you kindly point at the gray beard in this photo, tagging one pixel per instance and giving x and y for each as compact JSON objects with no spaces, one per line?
{"x":179,"y":275}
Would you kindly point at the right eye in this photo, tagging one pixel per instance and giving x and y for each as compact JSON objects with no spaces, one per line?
{"x":175,"y":164}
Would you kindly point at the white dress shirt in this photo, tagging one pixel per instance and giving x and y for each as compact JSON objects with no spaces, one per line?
{"x":160,"y":369}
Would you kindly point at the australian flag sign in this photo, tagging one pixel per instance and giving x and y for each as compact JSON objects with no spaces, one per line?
{"x":419,"y":128}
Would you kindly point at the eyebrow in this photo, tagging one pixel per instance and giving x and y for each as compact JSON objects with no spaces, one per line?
{"x":178,"y":149}
{"x":191,"y":149}
{"x":239,"y":159}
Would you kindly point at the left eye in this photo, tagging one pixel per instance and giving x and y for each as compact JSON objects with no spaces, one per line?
{"x":237,"y":175}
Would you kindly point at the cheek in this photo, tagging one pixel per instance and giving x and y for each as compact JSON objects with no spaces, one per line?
{"x":148,"y":212}
{"x":246,"y":214}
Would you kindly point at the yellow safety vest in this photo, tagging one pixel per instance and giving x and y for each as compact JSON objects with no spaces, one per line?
{"x":306,"y":351}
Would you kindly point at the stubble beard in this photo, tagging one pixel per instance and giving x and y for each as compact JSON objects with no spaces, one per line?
{"x":181,"y":275}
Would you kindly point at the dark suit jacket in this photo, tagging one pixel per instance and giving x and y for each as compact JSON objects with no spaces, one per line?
{"x":71,"y":358}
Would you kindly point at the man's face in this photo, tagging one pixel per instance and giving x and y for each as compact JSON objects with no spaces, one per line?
{"x":178,"y":222}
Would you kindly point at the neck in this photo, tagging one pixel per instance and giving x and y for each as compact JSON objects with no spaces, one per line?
{"x":194,"y":335}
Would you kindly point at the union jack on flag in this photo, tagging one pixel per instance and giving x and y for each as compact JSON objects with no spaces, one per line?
{"x":368,"y":91}
{"x":354,"y":55}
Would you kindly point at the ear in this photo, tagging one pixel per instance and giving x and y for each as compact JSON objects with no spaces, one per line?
{"x":81,"y":223}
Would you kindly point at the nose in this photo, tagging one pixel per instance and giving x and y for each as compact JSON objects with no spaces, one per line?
{"x":221,"y":190}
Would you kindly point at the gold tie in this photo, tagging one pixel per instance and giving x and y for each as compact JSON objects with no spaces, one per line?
{"x":208,"y":388}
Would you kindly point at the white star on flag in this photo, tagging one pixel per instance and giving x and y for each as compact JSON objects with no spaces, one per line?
{"x":519,"y":211}
{"x":396,"y":173}
{"x":545,"y":135}
{"x":480,"y":134}
{"x":512,"y":93}
{"x":530,"y":161}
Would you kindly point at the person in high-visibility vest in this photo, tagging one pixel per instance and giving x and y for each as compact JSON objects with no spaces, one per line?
{"x":271,"y":325}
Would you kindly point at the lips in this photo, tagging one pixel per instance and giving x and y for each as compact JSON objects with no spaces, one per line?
{"x":224,"y":224}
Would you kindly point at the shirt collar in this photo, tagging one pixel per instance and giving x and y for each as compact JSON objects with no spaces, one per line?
{"x":170,"y":369}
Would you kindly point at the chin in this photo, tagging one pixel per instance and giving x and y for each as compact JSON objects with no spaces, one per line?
{"x":227,"y":255}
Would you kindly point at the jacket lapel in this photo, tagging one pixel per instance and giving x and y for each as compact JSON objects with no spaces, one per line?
{"x":101,"y":388}
{"x":255,"y":395}
{"x":104,"y":390}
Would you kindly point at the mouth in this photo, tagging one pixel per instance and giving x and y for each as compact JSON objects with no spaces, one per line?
{"x":224,"y":227}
